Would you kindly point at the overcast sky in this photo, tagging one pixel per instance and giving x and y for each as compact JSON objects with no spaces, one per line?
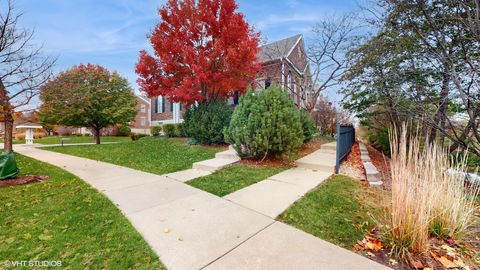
{"x":112,"y":32}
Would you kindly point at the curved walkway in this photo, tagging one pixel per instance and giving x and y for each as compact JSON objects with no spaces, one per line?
{"x":192,"y":229}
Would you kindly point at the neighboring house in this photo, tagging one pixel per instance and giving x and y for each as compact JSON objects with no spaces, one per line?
{"x":165,"y":112}
{"x":141,"y":124}
{"x":284,"y":63}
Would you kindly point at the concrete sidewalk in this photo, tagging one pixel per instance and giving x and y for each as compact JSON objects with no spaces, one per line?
{"x":191,"y":229}
{"x":274,"y":195}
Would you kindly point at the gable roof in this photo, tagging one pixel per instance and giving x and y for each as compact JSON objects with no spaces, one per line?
{"x":278,"y":49}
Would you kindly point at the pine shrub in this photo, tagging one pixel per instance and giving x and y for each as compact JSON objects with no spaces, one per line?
{"x":265,"y":124}
{"x":308,"y":126}
{"x":206,"y":122}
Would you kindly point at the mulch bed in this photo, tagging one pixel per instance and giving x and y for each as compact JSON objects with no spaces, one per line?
{"x":23,"y":180}
{"x":355,"y":158}
{"x":306,"y":149}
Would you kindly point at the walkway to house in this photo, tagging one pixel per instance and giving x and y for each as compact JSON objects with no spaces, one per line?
{"x":192,"y":229}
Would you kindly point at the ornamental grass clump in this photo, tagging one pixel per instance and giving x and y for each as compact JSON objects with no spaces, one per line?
{"x":429,"y":195}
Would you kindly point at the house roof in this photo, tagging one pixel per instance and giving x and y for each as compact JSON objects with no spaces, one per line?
{"x":278,"y":49}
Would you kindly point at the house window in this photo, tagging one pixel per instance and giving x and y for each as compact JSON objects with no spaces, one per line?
{"x":267,"y":83}
{"x":171,"y":106}
{"x":142,"y":108}
{"x":289,"y":81}
{"x":143,"y":121}
{"x":159,"y":105}
{"x":156,"y":105}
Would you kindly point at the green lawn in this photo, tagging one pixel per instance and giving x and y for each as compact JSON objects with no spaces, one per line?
{"x":64,"y":219}
{"x":233,"y":178}
{"x":150,"y":154}
{"x":339,"y":211}
{"x":76,"y":139}
{"x":81,"y":139}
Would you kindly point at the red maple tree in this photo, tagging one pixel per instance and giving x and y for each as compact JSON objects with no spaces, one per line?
{"x":203,"y":50}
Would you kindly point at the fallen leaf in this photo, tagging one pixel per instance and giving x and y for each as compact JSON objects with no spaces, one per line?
{"x":166,"y":230}
{"x":45,"y":237}
{"x":10,"y":240}
{"x":417,"y":264}
{"x":27,"y":236}
{"x":358,"y":247}
{"x":444,"y":261}
{"x":393,"y":262}
{"x":180,"y":238}
{"x":370,"y":254}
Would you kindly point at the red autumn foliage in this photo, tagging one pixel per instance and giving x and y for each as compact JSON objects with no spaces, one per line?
{"x":203,"y":50}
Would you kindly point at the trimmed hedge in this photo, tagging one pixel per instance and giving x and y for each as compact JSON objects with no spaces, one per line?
{"x":123,"y":131}
{"x":265,"y":124}
{"x":169,"y":130}
{"x":206,"y":122}
{"x":174,"y":130}
{"x":155,"y":130}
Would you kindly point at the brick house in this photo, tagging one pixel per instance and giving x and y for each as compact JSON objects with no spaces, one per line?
{"x":141,"y":123}
{"x":283,"y":63}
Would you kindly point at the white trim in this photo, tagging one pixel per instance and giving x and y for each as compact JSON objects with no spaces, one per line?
{"x":283,"y":74}
{"x":142,"y":98}
{"x":296,"y":43}
{"x":294,"y":67}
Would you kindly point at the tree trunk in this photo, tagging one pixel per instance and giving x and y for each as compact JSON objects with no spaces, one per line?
{"x":7,"y":119}
{"x":96,"y":133}
{"x":8,"y":136}
{"x":439,"y":118}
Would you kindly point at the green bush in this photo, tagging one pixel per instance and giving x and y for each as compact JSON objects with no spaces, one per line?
{"x":123,"y":131}
{"x":379,"y":138}
{"x":169,"y":130}
{"x":180,"y":130}
{"x":141,"y":135}
{"x":265,"y":124}
{"x":205,"y":123}
{"x":155,"y":130}
{"x":308,"y":126}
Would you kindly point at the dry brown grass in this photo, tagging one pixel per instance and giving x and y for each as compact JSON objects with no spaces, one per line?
{"x":426,"y":196}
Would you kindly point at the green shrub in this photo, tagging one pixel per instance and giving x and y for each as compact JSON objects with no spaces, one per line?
{"x":379,"y":138}
{"x":308,"y":126}
{"x":265,"y":124}
{"x":169,"y":130}
{"x":123,"y":131}
{"x":180,"y":130}
{"x":141,"y":135}
{"x":155,"y":130}
{"x":205,"y":123}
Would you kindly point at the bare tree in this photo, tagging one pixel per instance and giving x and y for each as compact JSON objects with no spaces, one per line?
{"x":326,"y":116}
{"x":332,"y":38}
{"x":22,"y":68}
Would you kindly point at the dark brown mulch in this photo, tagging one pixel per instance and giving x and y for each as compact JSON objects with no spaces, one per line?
{"x":306,"y":149}
{"x":23,"y":180}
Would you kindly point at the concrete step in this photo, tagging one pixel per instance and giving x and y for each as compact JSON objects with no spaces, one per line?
{"x":214,"y":164}
{"x":227,"y":154}
{"x":329,"y":146}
